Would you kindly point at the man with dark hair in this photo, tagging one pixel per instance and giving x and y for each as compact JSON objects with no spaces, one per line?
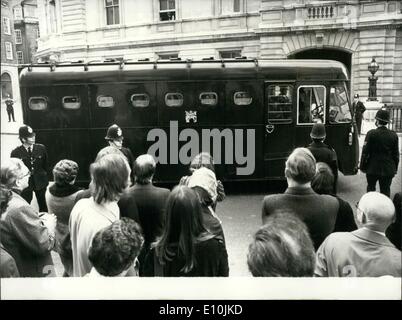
{"x":34,"y":156}
{"x":358,"y":109}
{"x":146,"y":199}
{"x":114,"y":249}
{"x":380,"y":155}
{"x":365,"y":252}
{"x":282,"y":248}
{"x":318,"y":212}
{"x":323,"y":152}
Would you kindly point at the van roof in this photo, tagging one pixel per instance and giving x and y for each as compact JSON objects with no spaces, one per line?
{"x":174,"y":70}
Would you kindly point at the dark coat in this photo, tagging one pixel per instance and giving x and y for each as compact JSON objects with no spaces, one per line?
{"x":26,"y":238}
{"x":8,"y":267}
{"x":211,"y":261}
{"x":394,"y":231}
{"x":358,"y":109}
{"x":319,"y":212}
{"x":345,"y":220}
{"x":380,"y":154}
{"x":37,"y":165}
{"x":324,"y":153}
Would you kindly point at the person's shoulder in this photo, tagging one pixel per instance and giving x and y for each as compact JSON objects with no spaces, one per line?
{"x":16,"y":150}
{"x":40,"y":146}
{"x":274,"y":197}
{"x":338,"y":239}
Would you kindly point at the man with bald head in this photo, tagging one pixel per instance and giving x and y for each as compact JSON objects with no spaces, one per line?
{"x":365,"y":252}
{"x":146,"y":199}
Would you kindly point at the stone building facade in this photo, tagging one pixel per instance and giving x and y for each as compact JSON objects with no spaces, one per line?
{"x":350,"y":31}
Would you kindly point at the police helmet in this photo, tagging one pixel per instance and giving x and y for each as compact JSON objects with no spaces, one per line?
{"x":26,"y":132}
{"x":382,"y":115}
{"x":318,"y":131}
{"x":114,"y":133}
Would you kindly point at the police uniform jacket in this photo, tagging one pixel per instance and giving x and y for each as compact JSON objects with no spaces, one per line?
{"x":380,"y":155}
{"x":324,"y":153}
{"x":37,"y":164}
{"x":359,"y":108}
{"x":361,"y":253}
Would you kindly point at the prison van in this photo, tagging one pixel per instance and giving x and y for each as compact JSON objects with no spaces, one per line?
{"x":249,"y":114}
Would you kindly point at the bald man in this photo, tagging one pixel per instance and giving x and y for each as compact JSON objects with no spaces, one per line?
{"x":149,"y":200}
{"x":365,"y":252}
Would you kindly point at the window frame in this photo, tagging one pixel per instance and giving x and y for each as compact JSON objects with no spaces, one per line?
{"x":174,"y":106}
{"x":242,"y":105}
{"x":21,"y":14}
{"x":324,"y":103}
{"x":6,"y":25}
{"x":168,"y":10}
{"x":20,"y":61}
{"x":140,"y":94}
{"x":290,"y":88}
{"x":105,"y":107}
{"x":18,"y":36}
{"x":220,"y":52}
{"x":71,"y":96}
{"x":208,"y":105}
{"x":9,"y":50}
{"x":347,"y":102}
{"x":38,"y":97}
{"x":113,"y":7}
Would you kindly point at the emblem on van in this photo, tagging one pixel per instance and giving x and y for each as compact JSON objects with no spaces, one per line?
{"x":191,"y":116}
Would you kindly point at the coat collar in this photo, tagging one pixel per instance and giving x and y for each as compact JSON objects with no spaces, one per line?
{"x":299,"y":191}
{"x":371,"y":236}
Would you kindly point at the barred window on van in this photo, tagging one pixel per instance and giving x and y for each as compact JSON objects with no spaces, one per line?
{"x":140,"y":100}
{"x":71,"y":102}
{"x":280,"y":103}
{"x":105,"y":101}
{"x":174,"y":99}
{"x":208,"y":99}
{"x":37,"y":103}
{"x":242,"y":98}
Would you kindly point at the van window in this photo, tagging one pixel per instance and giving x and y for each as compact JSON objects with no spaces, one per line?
{"x":174,"y":99}
{"x":71,"y":102}
{"x":208,"y":99}
{"x":242,"y":98}
{"x":280,"y":103}
{"x":310,"y":104}
{"x":105,"y":101}
{"x":37,"y":103}
{"x":140,"y":100}
{"x":339,"y":111}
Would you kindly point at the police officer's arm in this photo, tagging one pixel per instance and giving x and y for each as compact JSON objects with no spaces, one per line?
{"x":395,"y":153}
{"x":365,"y":152}
{"x":45,"y":159}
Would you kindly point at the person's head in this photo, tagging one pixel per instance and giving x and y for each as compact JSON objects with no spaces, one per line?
{"x":300,"y":166}
{"x":318,"y":132}
{"x":115,"y":248}
{"x":204,"y":182}
{"x":323,"y":180}
{"x":5,"y":196}
{"x":14,"y":174}
{"x":26,"y":135}
{"x":65,"y":172}
{"x":114,"y":136}
{"x":356,"y":97}
{"x":144,"y":169}
{"x":110,"y":176}
{"x":107,"y":150}
{"x":203,"y":159}
{"x":183,"y":225}
{"x":282,"y":248}
{"x":382,"y":117}
{"x":375,"y":211}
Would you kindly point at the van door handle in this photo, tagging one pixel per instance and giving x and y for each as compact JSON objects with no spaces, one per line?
{"x":269,"y":128}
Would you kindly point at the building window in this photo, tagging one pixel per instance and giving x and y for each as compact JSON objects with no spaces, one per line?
{"x":37,"y":33}
{"x":6,"y":86}
{"x":229,"y":54}
{"x":9,"y":50}
{"x":112,"y":12}
{"x":20,"y":57}
{"x":167,"y":10}
{"x":167,"y":56}
{"x":6,"y":25}
{"x":230,"y":6}
{"x":18,"y":13}
{"x":18,"y":36}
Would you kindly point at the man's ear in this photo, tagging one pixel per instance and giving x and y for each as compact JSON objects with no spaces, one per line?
{"x":287,"y":174}
{"x":364,"y":219}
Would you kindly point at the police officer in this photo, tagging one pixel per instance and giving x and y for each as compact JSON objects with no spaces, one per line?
{"x":323,"y":152}
{"x":380,"y":155}
{"x":115,"y":138}
{"x":358,"y":109}
{"x":10,"y":108}
{"x":34,"y":156}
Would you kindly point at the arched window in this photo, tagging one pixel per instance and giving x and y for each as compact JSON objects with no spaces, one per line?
{"x":6,"y":86}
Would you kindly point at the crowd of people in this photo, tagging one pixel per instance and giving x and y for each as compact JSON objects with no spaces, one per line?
{"x":124,"y":225}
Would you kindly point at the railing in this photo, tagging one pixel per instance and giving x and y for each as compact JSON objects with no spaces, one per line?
{"x":396,"y":117}
{"x":321,"y":12}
